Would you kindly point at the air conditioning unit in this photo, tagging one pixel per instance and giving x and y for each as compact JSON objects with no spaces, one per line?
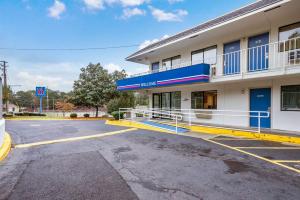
{"x":213,"y":71}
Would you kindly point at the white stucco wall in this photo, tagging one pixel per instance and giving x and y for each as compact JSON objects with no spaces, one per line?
{"x":235,"y":96}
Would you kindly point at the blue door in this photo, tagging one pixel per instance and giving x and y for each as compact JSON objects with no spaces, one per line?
{"x":231,"y":58}
{"x":260,"y":100}
{"x":258,"y":51}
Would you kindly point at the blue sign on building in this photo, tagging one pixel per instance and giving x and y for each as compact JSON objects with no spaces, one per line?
{"x":184,"y":75}
{"x":40,"y":91}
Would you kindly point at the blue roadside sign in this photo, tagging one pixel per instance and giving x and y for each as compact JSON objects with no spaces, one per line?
{"x":40,"y":91}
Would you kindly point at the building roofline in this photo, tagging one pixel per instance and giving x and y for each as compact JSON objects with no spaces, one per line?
{"x":208,"y":25}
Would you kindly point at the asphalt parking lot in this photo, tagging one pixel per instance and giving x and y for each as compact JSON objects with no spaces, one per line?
{"x":92,"y":160}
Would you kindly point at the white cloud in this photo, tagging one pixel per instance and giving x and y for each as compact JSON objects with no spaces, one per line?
{"x":30,"y":81}
{"x":100,"y":4}
{"x":94,"y":4}
{"x":174,"y":1}
{"x":148,"y":42}
{"x":111,"y":67}
{"x":56,"y":9}
{"x":161,"y":15}
{"x":130,"y":12}
{"x":126,"y":3}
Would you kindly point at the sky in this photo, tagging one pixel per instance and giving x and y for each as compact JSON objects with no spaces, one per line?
{"x":73,"y":24}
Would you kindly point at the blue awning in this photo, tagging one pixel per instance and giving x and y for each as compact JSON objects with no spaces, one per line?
{"x":185,"y":75}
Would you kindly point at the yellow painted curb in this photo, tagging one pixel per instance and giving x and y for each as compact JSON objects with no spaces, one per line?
{"x":213,"y":130}
{"x":138,"y":125}
{"x":246,"y":134}
{"x":6,"y":146}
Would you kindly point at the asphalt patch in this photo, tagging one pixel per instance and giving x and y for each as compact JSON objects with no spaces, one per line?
{"x":75,"y":176}
{"x":236,"y":166}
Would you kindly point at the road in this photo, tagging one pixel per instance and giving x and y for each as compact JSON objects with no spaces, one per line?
{"x":91,"y":160}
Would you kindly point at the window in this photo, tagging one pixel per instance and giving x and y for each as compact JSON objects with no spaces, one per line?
{"x":175,"y":100}
{"x":167,"y":100}
{"x":289,"y":37}
{"x":204,"y":100}
{"x":171,"y":62}
{"x":207,"y":55}
{"x":290,"y":98}
{"x":155,"y":66}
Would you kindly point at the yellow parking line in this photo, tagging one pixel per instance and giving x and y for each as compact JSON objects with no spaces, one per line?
{"x":233,"y":139}
{"x":254,"y":155}
{"x":282,"y":148}
{"x":287,"y":161}
{"x":73,"y":138}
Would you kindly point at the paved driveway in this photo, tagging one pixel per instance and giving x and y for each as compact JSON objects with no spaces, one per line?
{"x":132,"y":164}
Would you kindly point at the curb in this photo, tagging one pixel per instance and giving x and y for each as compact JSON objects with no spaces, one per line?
{"x":214,"y":131}
{"x":6,"y":147}
{"x":246,"y":134}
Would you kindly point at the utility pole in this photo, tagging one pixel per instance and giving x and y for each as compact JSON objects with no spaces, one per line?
{"x":4,"y":69}
{"x":47,"y":100}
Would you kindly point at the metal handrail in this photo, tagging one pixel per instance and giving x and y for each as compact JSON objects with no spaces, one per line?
{"x":148,"y":112}
{"x":190,"y":114}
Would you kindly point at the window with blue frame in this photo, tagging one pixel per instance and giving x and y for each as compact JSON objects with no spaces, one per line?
{"x":290,"y":98}
{"x":231,"y":58}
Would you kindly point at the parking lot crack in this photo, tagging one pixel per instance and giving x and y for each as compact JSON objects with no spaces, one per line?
{"x":18,"y":180}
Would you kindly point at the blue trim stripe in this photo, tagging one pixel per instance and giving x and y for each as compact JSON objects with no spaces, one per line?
{"x":185,"y":75}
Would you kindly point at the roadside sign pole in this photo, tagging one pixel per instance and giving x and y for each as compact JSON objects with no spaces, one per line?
{"x":41,"y":104}
{"x":41,"y":92}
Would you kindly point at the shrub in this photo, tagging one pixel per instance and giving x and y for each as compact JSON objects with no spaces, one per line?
{"x":126,"y":100}
{"x":7,"y":115}
{"x":73,"y":115}
{"x":31,"y":114}
{"x":117,"y":114}
{"x":86,"y":115}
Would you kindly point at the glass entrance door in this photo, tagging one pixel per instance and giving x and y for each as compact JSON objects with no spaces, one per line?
{"x":167,"y":101}
{"x":156,"y":103}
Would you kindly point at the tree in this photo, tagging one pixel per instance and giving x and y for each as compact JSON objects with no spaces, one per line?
{"x":95,"y":87}
{"x":64,"y":106}
{"x":23,"y":99}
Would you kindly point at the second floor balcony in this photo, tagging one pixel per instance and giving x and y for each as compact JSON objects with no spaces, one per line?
{"x":260,"y":59}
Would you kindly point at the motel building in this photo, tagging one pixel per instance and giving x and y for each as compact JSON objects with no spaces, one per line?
{"x":229,"y":70}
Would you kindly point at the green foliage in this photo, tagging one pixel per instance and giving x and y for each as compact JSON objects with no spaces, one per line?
{"x":86,"y":115}
{"x":117,"y":114}
{"x":125,"y":100}
{"x":95,"y":86}
{"x":27,"y":99}
{"x":73,"y":115}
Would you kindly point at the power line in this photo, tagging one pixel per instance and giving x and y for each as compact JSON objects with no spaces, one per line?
{"x":70,"y":49}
